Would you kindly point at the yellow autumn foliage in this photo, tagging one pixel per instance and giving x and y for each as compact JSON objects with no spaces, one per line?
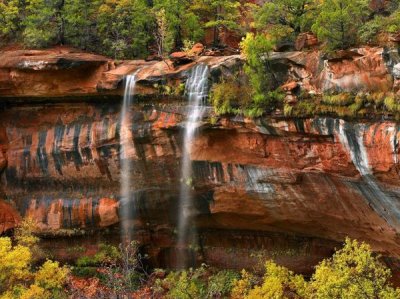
{"x":19,"y":281}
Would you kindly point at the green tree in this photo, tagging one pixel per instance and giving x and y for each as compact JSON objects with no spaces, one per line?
{"x":9,"y":18}
{"x":163,"y":33}
{"x":283,"y":18}
{"x":80,"y":23}
{"x":256,"y":49}
{"x":218,"y":15}
{"x":353,"y":272}
{"x":182,"y":23}
{"x":338,"y":22}
{"x":123,"y":26}
{"x":44,"y":23}
{"x":370,"y":31}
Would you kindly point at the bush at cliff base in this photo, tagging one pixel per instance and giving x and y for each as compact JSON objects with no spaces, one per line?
{"x":353,"y":272}
{"x":19,"y":280}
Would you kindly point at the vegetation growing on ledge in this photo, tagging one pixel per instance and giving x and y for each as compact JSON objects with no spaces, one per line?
{"x":346,"y":105}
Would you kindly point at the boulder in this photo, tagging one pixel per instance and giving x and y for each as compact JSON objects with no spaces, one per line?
{"x":306,"y":40}
{"x":290,"y":86}
{"x":9,"y":217}
{"x":180,"y":58}
{"x":396,"y":71}
{"x":197,"y":49}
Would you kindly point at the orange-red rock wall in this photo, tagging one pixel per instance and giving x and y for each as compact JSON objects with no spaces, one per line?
{"x":317,"y":178}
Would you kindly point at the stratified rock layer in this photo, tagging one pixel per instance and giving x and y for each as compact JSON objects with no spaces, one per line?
{"x":314,"y":180}
{"x":64,"y":72}
{"x":273,"y":183}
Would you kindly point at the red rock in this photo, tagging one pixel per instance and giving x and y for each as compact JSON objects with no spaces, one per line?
{"x":289,"y":86}
{"x":290,"y":99}
{"x":255,"y":180}
{"x":108,"y":212}
{"x":69,"y":73}
{"x":306,"y":40}
{"x":9,"y":217}
{"x":179,"y":58}
{"x":395,"y":37}
{"x":378,"y":5}
{"x":197,"y":49}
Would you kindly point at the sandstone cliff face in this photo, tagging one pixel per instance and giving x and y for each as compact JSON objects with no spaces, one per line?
{"x":319,"y":178}
{"x":272,"y":183}
{"x":66,"y":73}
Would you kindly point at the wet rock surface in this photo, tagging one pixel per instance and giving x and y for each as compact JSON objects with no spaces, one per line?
{"x":318,"y":179}
{"x":268,"y":183}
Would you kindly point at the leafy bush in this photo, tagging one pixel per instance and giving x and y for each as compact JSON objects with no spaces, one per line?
{"x":380,"y":24}
{"x":19,"y":280}
{"x":392,"y":104}
{"x":125,"y":274}
{"x":230,"y":96}
{"x":186,"y":285}
{"x":241,"y":287}
{"x":106,"y":254}
{"x":277,"y":282}
{"x":203,"y":282}
{"x":369,"y":32}
{"x":353,"y":272}
{"x":342,"y":99}
{"x":220,"y":284}
{"x":223,"y":96}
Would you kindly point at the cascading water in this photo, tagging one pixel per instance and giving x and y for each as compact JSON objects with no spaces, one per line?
{"x":127,"y":150}
{"x":196,"y":91}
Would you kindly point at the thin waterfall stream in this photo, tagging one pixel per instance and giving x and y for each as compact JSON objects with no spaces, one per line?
{"x":196,"y":92}
{"x":127,"y":151}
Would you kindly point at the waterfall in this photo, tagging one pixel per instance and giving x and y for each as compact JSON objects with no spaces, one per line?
{"x":127,"y":150}
{"x":196,"y":92}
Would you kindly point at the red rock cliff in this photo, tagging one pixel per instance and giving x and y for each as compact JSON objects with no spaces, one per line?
{"x":272,"y":183}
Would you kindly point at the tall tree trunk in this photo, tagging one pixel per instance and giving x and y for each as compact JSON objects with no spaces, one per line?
{"x":61,"y":28}
{"x":216,"y":28}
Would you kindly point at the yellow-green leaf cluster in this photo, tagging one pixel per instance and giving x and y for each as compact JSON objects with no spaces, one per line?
{"x":19,"y":280}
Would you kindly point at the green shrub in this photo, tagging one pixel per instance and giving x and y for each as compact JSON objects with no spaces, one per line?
{"x":353,"y":272}
{"x":392,"y":104}
{"x":224,"y":96}
{"x":188,"y":284}
{"x":19,"y":279}
{"x":342,"y":99}
{"x":87,"y":261}
{"x":220,"y":284}
{"x":265,"y":96}
{"x":83,"y":271}
{"x":369,"y":31}
{"x":106,"y":254}
{"x":288,"y":110}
